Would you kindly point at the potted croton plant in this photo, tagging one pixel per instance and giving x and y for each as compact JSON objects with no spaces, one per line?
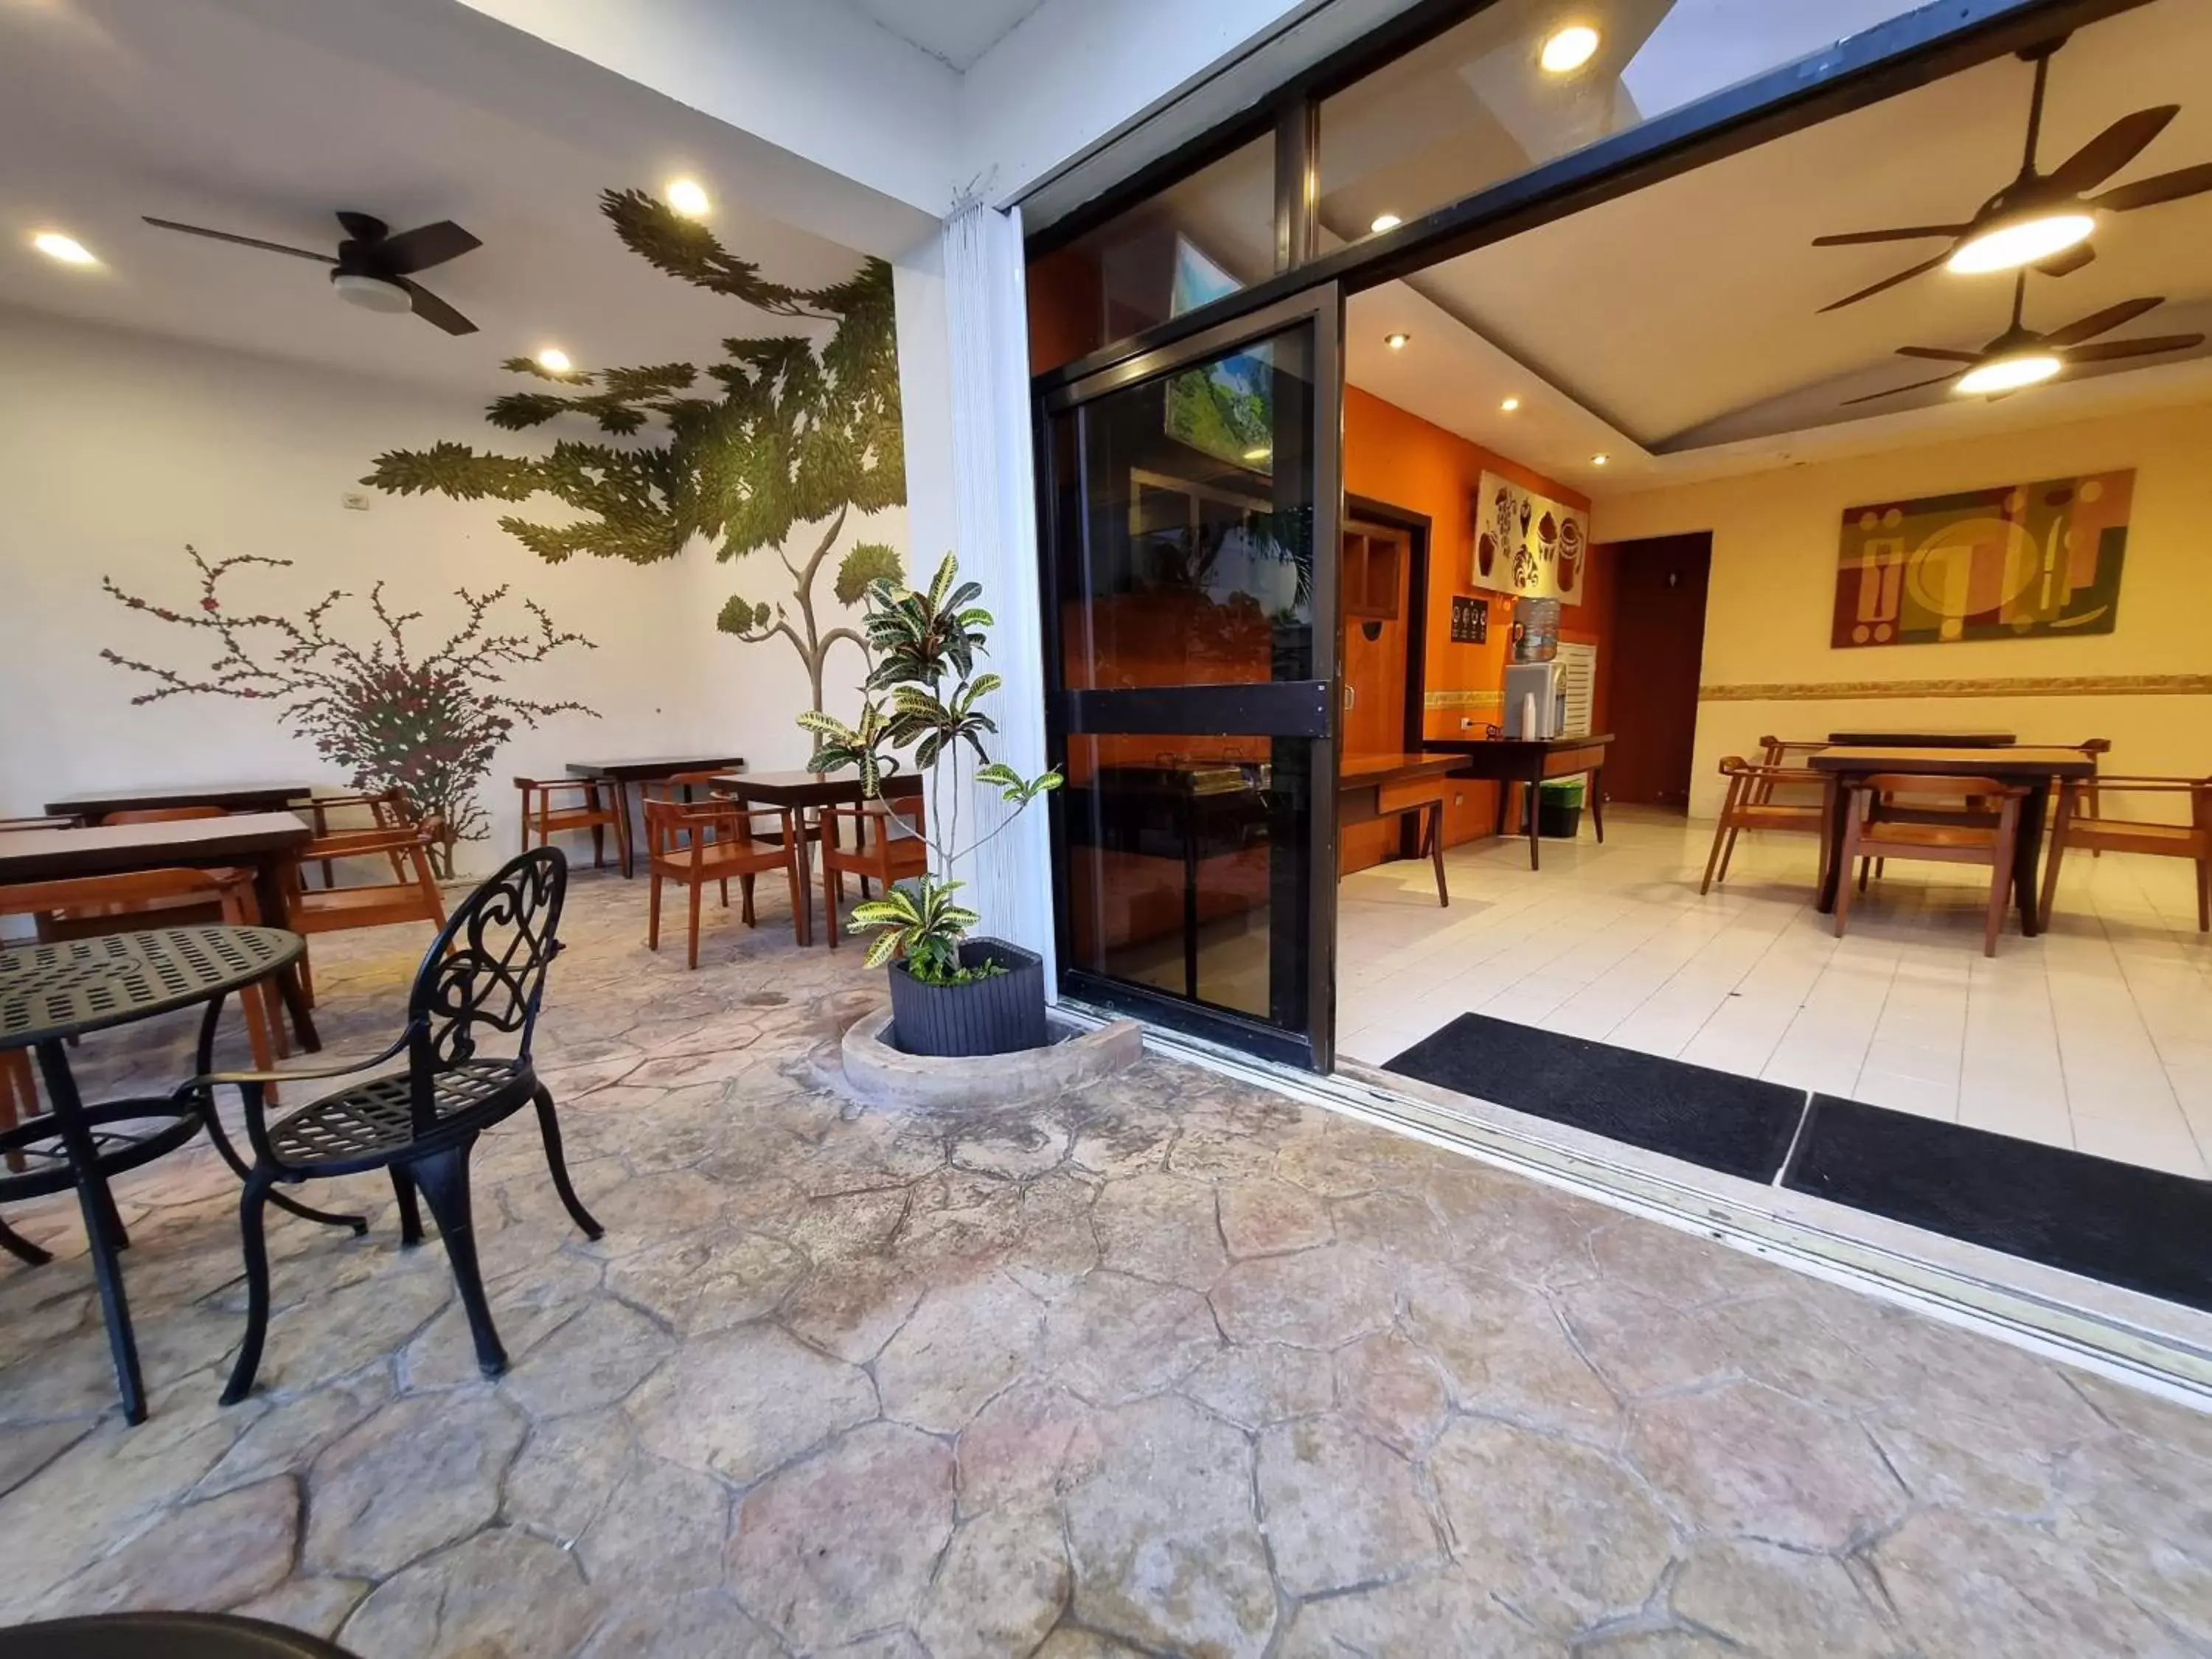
{"x":951,"y":994}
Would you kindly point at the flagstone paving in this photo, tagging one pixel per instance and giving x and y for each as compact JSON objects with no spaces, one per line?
{"x":1170,"y":1365}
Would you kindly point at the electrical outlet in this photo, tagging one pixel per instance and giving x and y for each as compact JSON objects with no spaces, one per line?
{"x":354,"y":501}
{"x":1458,"y":799}
{"x":1466,"y":722}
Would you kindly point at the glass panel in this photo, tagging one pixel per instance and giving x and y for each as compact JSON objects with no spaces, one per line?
{"x":1477,"y":105}
{"x":1207,"y":235}
{"x":1185,"y":525}
{"x":1188,"y":865}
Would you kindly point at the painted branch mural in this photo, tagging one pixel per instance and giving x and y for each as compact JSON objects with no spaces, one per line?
{"x":428,"y":724}
{"x":782,"y":439}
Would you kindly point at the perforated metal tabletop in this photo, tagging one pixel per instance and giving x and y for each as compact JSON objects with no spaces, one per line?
{"x":57,"y":990}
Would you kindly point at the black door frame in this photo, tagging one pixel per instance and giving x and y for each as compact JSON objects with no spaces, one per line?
{"x":1306,"y":709}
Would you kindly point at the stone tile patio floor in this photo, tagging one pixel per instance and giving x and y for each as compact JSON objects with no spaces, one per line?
{"x":1171,"y":1365}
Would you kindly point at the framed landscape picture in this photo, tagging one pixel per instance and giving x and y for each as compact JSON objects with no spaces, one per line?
{"x":2020,"y":561}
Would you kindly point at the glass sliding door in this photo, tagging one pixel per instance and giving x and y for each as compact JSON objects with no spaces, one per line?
{"x":1191,"y":647}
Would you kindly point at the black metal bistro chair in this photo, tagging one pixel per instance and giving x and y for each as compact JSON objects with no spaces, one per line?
{"x":485,"y":969}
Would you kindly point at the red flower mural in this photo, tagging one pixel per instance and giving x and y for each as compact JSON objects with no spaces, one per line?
{"x":430,"y":725}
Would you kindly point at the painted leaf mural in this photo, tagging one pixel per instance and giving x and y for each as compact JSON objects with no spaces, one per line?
{"x":784,"y":438}
{"x":390,"y":716}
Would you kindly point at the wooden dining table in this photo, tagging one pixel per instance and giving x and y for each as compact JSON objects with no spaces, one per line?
{"x":799,"y":794}
{"x":93,"y":804}
{"x":2040,"y":769}
{"x":637,"y":771}
{"x":268,"y":843}
{"x":1372,"y":787}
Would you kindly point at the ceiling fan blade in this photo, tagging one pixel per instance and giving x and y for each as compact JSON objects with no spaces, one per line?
{"x":2066,"y":263}
{"x":243,"y":241}
{"x":423,"y":247}
{"x":1936,"y":355}
{"x":431,"y":309}
{"x":363,"y":227}
{"x":2100,"y":322}
{"x":1900,"y":390}
{"x":2111,"y":149}
{"x":1886,"y":282}
{"x":1906,"y":234}
{"x":2113,"y":350}
{"x":2149,"y":193}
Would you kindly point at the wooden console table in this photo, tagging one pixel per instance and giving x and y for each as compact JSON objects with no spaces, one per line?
{"x":1508,"y":761}
{"x":1372,"y":786}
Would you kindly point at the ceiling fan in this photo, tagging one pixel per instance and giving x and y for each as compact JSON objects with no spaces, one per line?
{"x":373,"y":266}
{"x":2043,"y":219}
{"x":2020,"y":357}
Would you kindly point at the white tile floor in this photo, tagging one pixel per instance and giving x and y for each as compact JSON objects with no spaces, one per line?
{"x":2097,"y":1035}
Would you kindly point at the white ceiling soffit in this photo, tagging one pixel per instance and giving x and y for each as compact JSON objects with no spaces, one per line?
{"x":1687,"y":315}
{"x":956,"y":32}
{"x":211,"y":113}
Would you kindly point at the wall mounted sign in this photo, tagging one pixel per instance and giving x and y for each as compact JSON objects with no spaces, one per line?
{"x":1470,"y":620}
{"x":1526,"y":544}
{"x":2020,"y":562}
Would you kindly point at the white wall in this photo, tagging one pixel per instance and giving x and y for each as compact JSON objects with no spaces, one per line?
{"x":117,"y":449}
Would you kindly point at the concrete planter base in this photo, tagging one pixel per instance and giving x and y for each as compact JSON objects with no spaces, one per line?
{"x":868,"y":1067}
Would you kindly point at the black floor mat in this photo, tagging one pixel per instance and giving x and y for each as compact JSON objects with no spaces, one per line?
{"x":1737,"y":1124}
{"x":2143,"y":1229}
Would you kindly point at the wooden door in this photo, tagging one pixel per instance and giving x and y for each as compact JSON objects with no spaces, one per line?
{"x":1377,"y":573}
{"x":1659,"y":632}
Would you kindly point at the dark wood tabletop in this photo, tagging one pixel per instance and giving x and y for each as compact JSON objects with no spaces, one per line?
{"x":1366,"y":771}
{"x":2014,"y":761}
{"x":809,"y":788}
{"x":1922,"y":737}
{"x":651,"y":768}
{"x":231,"y":797}
{"x":197,"y":843}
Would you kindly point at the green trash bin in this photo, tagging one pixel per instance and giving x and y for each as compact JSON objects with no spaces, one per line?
{"x":1559,"y":810}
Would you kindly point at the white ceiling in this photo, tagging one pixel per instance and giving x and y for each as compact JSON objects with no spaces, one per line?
{"x":1685,"y":318}
{"x":222,"y":112}
{"x":957,"y":31}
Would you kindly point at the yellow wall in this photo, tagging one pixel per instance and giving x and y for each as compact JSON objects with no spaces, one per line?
{"x":1775,"y":539}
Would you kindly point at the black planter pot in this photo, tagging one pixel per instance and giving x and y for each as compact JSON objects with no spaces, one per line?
{"x":999,"y":1015}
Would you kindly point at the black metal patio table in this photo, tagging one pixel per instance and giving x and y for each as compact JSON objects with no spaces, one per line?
{"x":50,"y":992}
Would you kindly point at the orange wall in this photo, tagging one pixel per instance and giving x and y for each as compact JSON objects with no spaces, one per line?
{"x":1392,"y":456}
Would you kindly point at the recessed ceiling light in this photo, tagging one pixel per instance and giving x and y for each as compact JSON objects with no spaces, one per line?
{"x":2009,"y":373}
{"x":1385,"y":222}
{"x":1396,"y":341}
{"x":1568,"y":49}
{"x":67,"y":249}
{"x":554,"y":361}
{"x":1510,"y":405}
{"x":1600,"y":460}
{"x":2016,"y":242}
{"x":689,"y":198}
{"x":1260,"y":454}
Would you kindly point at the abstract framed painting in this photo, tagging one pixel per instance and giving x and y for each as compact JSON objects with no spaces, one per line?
{"x":2028,"y":561}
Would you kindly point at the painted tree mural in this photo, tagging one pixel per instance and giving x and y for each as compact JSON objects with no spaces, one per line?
{"x":428,"y":724}
{"x":781,"y":440}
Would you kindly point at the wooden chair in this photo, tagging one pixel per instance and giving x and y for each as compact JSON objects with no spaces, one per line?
{"x":567,"y":803}
{"x":1750,"y":804}
{"x":696,"y":843}
{"x":886,"y":847}
{"x":1880,"y":820}
{"x":1777,"y":751}
{"x":2072,"y":827}
{"x":398,"y":837}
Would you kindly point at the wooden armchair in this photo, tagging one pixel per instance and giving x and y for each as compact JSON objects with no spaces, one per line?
{"x":398,"y":837}
{"x":886,"y":846}
{"x":1881,"y":820}
{"x":1750,"y":804}
{"x":2074,"y":826}
{"x":551,"y":806}
{"x":696,"y":843}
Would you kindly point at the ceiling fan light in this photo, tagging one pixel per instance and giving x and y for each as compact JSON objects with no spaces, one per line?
{"x":2016,"y":242}
{"x":371,"y":292}
{"x":2022,"y":368}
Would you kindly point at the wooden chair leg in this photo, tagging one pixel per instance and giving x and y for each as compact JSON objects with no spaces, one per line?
{"x":1845,"y":858}
{"x":2001,"y":877}
{"x":798,"y":919}
{"x":1721,"y":837}
{"x":19,"y":1097}
{"x":697,"y":886}
{"x":1436,"y":816}
{"x":2205,"y":896}
{"x":745,"y":887}
{"x":525,"y":818}
{"x":2061,"y":820}
{"x":653,"y":911}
